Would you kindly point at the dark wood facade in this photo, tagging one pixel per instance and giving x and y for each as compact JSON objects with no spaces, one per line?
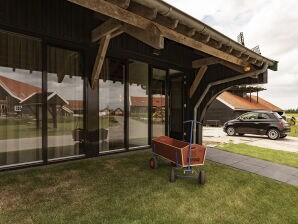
{"x":66,"y":25}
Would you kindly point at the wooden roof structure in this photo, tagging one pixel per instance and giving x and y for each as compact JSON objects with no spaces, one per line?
{"x":151,"y":21}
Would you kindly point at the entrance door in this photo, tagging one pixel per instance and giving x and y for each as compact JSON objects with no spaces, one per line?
{"x":176,"y":105}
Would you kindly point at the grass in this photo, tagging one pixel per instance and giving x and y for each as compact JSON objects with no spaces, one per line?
{"x":14,"y":128}
{"x":123,"y":189}
{"x":276,"y":156}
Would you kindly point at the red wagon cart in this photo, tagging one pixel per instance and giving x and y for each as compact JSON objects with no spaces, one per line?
{"x":181,"y":154}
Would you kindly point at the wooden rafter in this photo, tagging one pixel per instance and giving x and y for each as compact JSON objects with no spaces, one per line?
{"x":205,"y":61}
{"x":108,"y":27}
{"x":121,"y":3}
{"x":102,"y":50}
{"x":197,"y":80}
{"x":133,"y":19}
{"x":151,"y":36}
{"x":232,"y":66}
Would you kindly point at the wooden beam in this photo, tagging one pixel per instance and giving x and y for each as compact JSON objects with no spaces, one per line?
{"x":102,"y":50}
{"x":121,"y":3}
{"x":197,"y":80}
{"x":106,"y":28}
{"x":116,"y":33}
{"x":143,"y":10}
{"x":114,"y":11}
{"x":167,"y":21}
{"x":133,"y":19}
{"x":234,"y":67}
{"x":205,"y":61}
{"x":151,"y":36}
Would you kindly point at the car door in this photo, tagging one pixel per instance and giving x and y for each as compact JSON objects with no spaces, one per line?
{"x":262,"y":123}
{"x":247,"y":123}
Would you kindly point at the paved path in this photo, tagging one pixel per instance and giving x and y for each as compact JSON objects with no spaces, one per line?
{"x":213,"y":136}
{"x":264,"y":168}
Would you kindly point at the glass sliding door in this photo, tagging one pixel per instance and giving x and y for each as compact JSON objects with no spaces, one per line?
{"x":65,"y":102}
{"x":111,"y":106}
{"x":20,"y":99}
{"x":138,"y":104}
{"x":158,"y":92}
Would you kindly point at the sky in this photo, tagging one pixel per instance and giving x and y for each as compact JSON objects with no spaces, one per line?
{"x":271,"y":24}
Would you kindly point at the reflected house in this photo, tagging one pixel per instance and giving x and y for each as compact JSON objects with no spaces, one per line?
{"x":139,"y":107}
{"x":66,"y":63}
{"x":12,"y":93}
{"x":22,"y":99}
{"x":117,"y":112}
{"x":105,"y":112}
{"x":76,"y":107}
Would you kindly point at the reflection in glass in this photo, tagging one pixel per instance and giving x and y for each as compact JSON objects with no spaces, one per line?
{"x":65,"y":102}
{"x":111,"y":106}
{"x":20,"y":99}
{"x":158,"y":102}
{"x":138,"y":104}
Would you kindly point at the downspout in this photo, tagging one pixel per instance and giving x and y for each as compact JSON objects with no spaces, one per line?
{"x":234,"y":78}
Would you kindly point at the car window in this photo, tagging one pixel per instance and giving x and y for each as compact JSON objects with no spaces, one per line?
{"x":278,"y":116}
{"x":249,"y":116}
{"x":264,"y":116}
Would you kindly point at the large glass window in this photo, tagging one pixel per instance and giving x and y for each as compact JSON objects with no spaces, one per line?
{"x":138,"y":104}
{"x":111,"y":106}
{"x":158,"y":102}
{"x":20,"y":99}
{"x":65,"y":103}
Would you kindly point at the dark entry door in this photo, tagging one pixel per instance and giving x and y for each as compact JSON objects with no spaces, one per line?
{"x":176,"y":106}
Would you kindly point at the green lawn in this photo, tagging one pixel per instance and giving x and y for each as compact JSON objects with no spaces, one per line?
{"x":276,"y":156}
{"x":123,"y":189}
{"x":13,"y":128}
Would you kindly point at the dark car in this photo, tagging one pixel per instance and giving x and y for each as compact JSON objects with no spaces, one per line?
{"x":258,"y":123}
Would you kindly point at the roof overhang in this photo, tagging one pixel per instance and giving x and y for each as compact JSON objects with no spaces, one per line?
{"x":153,"y":20}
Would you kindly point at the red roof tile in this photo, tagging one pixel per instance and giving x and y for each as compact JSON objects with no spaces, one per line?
{"x":75,"y":104}
{"x":143,"y":101}
{"x":243,"y":103}
{"x":19,"y":89}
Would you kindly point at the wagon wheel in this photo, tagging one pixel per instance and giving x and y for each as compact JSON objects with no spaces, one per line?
{"x":153,"y":163}
{"x":172,"y":175}
{"x":201,"y":177}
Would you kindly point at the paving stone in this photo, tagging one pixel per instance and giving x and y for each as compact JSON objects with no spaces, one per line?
{"x":247,"y":167}
{"x":275,"y":174}
{"x":261,"y":167}
{"x":293,"y":181}
{"x":256,"y":162}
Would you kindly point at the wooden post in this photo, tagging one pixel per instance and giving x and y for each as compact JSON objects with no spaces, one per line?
{"x":102,"y":50}
{"x":197,"y":80}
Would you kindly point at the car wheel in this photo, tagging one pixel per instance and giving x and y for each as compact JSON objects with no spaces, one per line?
{"x":283,"y":136}
{"x":231,"y":131}
{"x":273,"y":134}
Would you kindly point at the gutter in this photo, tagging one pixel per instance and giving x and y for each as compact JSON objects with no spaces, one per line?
{"x":234,"y":78}
{"x":169,"y":11}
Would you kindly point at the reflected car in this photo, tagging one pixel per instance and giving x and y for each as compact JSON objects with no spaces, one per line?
{"x":258,"y":123}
